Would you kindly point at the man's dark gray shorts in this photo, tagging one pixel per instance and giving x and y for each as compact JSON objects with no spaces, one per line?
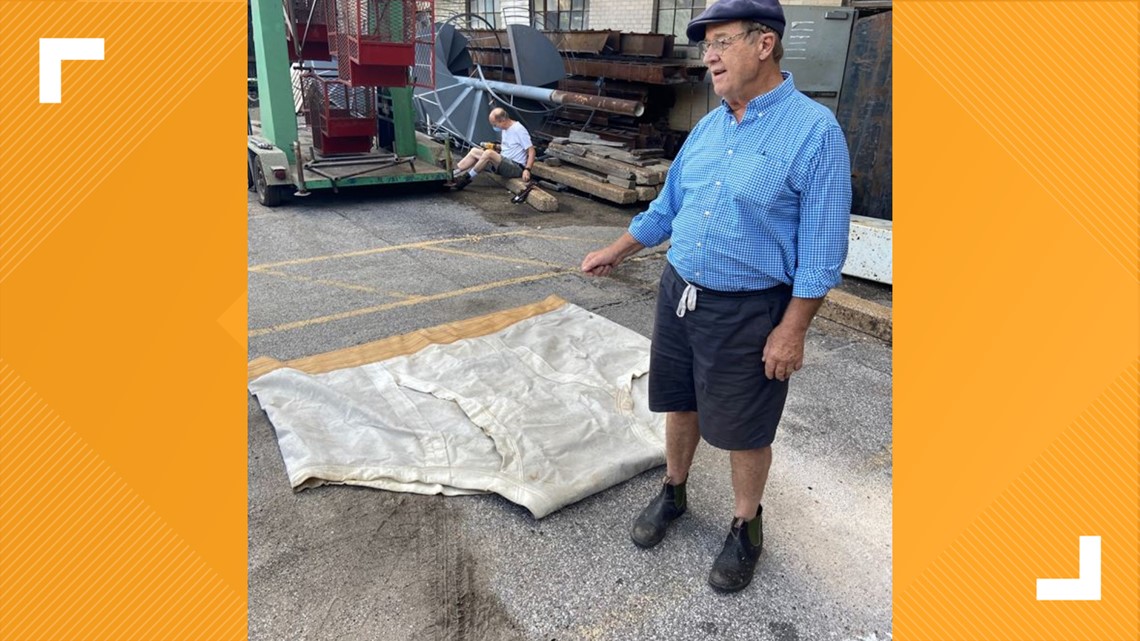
{"x":710,"y":361}
{"x":509,"y":168}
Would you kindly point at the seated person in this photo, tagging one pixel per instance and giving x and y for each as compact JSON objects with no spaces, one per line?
{"x":515,"y":159}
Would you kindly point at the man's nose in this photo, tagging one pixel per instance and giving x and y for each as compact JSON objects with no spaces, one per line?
{"x":709,"y":55}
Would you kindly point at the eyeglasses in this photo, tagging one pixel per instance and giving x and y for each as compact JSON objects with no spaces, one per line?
{"x":720,"y":44}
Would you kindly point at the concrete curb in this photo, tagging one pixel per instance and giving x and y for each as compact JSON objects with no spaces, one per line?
{"x":858,"y":314}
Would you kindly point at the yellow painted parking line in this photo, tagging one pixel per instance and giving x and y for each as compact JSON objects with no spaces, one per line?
{"x":380,"y":250}
{"x":508,"y":259}
{"x":405,"y":303}
{"x":319,"y":281}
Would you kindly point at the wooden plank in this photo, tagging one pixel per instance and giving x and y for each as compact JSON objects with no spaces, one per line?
{"x":538,"y":199}
{"x":643,"y":175}
{"x":628,"y":183}
{"x":575,"y":150}
{"x":618,"y":154}
{"x":646,"y":192}
{"x":593,"y":139}
{"x":608,"y":167}
{"x":567,"y":176}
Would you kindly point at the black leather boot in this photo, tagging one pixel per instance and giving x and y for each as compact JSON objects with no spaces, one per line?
{"x":733,"y":569}
{"x":649,"y":528}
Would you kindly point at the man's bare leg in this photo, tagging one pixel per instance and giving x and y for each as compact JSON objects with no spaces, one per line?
{"x":749,"y":476}
{"x":470,"y":160}
{"x":486,"y":158}
{"x":736,"y":563}
{"x":682,"y":435}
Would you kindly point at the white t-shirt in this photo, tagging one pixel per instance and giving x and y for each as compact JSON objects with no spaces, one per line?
{"x":516,"y":140}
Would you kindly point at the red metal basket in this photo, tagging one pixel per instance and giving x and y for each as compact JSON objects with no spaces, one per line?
{"x":376,"y":41}
{"x":342,"y":117}
{"x":308,"y":19}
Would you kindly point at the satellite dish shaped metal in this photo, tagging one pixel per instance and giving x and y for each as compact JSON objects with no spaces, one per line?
{"x":466,"y":90}
{"x":449,"y":39}
{"x":542,"y":65}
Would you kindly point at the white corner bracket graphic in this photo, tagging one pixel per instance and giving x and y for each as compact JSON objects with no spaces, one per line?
{"x":1086,"y":587}
{"x":53,"y":51}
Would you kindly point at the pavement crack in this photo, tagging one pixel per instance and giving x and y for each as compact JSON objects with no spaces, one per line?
{"x":643,"y":299}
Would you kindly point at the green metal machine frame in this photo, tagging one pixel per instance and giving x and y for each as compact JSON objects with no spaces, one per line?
{"x":273,"y":164}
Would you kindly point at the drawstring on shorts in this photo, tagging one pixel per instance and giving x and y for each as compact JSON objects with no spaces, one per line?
{"x":688,"y":300}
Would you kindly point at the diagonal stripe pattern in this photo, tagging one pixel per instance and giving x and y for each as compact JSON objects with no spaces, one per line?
{"x":1065,"y":113}
{"x":1016,"y":413}
{"x":93,"y":543}
{"x":984,"y":586}
{"x":111,"y":107}
{"x":84,"y":556}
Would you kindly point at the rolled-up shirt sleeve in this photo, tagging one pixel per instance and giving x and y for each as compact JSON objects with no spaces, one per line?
{"x":825,"y":218}
{"x":655,"y":225}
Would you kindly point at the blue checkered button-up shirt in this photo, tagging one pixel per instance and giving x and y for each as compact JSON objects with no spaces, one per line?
{"x":752,"y":205}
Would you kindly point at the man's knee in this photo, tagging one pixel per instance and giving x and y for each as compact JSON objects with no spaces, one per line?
{"x":683,"y":420}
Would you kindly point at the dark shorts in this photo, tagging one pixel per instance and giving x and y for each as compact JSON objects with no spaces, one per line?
{"x":509,"y":168}
{"x":710,"y":362}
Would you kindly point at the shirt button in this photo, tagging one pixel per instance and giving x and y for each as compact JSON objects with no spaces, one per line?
{"x":729,"y":152}
{"x":707,"y":214}
{"x":718,"y":183}
{"x":698,"y":244}
{"x":698,"y":273}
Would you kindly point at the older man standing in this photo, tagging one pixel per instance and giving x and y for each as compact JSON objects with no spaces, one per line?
{"x":757,"y":205}
{"x":514,"y":160}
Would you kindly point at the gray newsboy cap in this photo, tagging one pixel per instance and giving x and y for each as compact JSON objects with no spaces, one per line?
{"x":766,"y":12}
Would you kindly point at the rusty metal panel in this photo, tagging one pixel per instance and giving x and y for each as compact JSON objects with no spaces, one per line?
{"x":865,"y":115}
{"x":594,"y":42}
{"x":656,"y":73}
{"x":655,"y":45}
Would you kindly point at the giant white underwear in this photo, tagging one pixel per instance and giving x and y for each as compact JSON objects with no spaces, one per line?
{"x":544,"y":405}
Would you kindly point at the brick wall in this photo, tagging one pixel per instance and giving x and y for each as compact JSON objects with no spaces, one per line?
{"x":622,"y":15}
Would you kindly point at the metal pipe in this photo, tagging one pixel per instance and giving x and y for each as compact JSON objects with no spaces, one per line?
{"x":301,"y":189}
{"x":554,"y":96}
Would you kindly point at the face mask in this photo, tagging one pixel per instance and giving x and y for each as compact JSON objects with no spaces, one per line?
{"x":497,"y":130}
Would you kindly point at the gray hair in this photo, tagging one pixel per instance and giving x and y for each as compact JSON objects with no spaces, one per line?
{"x":778,"y":48}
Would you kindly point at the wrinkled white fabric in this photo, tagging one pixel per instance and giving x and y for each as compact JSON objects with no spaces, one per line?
{"x":545,"y":412}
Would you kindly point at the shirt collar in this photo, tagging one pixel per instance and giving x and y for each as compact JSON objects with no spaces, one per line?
{"x":766,"y":101}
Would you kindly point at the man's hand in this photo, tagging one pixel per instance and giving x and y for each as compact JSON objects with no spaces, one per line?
{"x":783,"y":352}
{"x":603,"y":261}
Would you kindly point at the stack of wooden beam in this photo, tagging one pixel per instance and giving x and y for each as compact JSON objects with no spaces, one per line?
{"x":608,"y":170}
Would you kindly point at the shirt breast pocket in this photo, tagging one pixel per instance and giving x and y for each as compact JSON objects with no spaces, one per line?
{"x":764,"y":187}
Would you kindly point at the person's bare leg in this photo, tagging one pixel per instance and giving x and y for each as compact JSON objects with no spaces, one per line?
{"x":488,"y":157}
{"x":682,"y":435}
{"x":469,"y":161}
{"x":736,"y":563}
{"x":749,"y":476}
